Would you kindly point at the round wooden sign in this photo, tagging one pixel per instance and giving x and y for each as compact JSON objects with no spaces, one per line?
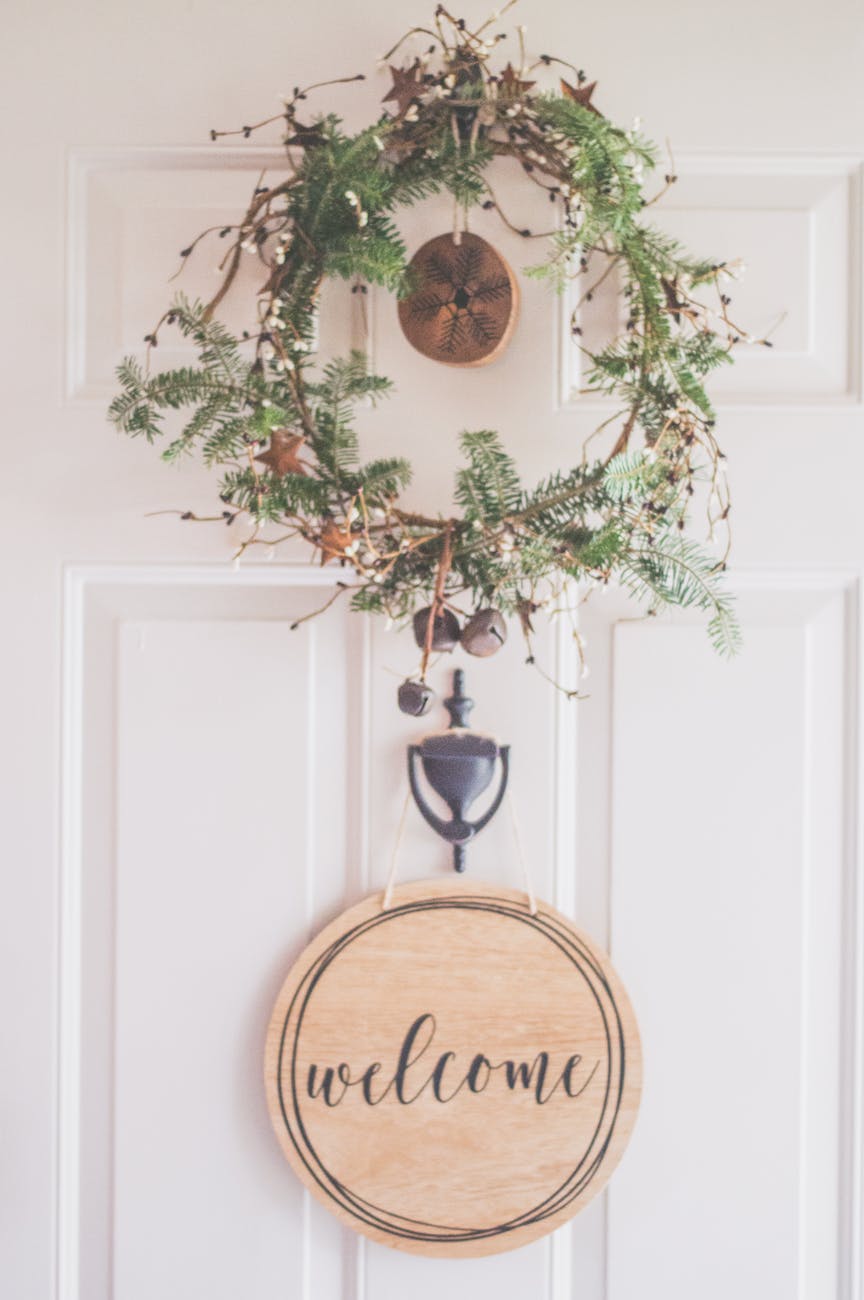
{"x":454,"y":1075}
{"x":464,"y":308}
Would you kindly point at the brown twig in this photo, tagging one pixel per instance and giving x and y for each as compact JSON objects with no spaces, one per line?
{"x":341,"y":587}
{"x":438,"y":597}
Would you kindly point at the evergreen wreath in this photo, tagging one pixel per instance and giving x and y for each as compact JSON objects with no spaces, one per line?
{"x":281,"y":429}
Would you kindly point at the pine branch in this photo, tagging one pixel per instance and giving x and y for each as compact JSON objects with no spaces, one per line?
{"x":488,"y":489}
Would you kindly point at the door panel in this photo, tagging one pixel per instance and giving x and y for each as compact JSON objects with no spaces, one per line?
{"x":743,"y":997}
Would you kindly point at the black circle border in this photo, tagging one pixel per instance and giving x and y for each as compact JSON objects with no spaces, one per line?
{"x":573,"y":947}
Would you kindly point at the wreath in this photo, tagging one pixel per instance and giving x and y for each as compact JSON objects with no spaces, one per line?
{"x":281,"y":427}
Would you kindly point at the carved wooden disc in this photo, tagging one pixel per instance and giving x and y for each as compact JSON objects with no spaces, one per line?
{"x":464,"y":309}
{"x":453,"y":1076}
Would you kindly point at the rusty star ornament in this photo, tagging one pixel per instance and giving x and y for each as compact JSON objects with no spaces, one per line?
{"x":405,"y":89}
{"x":581,"y":94}
{"x":282,"y":456}
{"x":334,"y":541}
{"x":511,"y":84}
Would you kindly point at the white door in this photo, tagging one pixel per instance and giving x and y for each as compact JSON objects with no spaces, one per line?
{"x":191,"y":788}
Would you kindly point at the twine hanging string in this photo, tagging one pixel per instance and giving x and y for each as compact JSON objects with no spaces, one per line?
{"x":523,"y":861}
{"x":454,"y":127}
{"x":460,"y":215}
{"x":517,"y":837}
{"x":457,"y":233}
{"x":438,"y":597}
{"x":394,"y":857}
{"x":461,"y":210}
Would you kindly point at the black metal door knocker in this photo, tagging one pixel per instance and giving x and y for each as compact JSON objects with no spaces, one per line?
{"x":459,"y":765}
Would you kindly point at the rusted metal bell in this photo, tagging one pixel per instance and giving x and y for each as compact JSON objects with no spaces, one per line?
{"x":445,"y":629}
{"x":484,"y":633}
{"x":415,"y":698}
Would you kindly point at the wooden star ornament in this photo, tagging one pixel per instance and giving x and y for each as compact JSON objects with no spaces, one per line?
{"x":396,"y":150}
{"x":512,"y":85}
{"x":673,"y":302}
{"x":282,"y":456}
{"x":334,"y":541}
{"x":405,"y":89}
{"x":581,"y":94}
{"x":306,"y":137}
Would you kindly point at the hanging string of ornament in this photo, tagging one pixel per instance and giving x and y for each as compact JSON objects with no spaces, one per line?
{"x":279,"y":426}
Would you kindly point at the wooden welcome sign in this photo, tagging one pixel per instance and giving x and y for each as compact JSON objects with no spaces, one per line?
{"x":453,"y":1075}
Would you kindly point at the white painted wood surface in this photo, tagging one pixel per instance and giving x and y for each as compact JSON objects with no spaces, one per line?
{"x":190,"y":789}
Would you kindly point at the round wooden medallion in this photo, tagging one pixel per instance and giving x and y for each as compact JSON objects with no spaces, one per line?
{"x":453,"y":1076}
{"x":464,"y":308}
